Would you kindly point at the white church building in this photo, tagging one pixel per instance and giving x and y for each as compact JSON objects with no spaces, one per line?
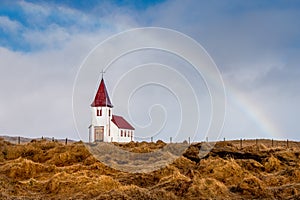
{"x":106,"y":127}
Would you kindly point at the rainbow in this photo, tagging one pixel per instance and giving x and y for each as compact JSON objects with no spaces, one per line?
{"x":254,"y":112}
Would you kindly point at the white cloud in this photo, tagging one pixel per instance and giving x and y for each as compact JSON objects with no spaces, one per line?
{"x":255,"y":51}
{"x":9,"y":26}
{"x":39,"y":11}
{"x":37,"y":88}
{"x":53,"y":37}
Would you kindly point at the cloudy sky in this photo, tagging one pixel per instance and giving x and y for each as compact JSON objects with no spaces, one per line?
{"x":255,"y":44}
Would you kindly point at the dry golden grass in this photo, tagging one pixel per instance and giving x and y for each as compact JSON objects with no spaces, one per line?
{"x":52,"y":170}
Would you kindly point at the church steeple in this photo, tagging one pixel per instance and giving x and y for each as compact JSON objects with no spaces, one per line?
{"x":102,"y":98}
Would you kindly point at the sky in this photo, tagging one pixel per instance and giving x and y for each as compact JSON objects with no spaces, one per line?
{"x":255,"y":45}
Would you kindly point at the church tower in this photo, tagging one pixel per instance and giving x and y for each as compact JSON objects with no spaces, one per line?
{"x":99,"y":130}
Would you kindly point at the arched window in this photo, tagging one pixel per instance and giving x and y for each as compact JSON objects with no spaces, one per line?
{"x":121,"y":133}
{"x":124,"y":133}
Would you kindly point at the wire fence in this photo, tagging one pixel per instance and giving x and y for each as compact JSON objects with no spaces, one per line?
{"x":22,"y":140}
{"x":240,"y":143}
{"x":267,"y":143}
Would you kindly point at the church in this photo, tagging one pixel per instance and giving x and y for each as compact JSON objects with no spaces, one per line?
{"x":105,"y":126}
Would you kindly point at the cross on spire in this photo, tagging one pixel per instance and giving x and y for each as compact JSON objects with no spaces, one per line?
{"x":102,"y":72}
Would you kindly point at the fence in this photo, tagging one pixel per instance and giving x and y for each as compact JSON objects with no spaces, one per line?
{"x":21,"y":140}
{"x":241,"y":143}
{"x":268,"y":143}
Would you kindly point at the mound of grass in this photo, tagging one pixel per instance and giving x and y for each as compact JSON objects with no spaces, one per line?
{"x":43,"y":169}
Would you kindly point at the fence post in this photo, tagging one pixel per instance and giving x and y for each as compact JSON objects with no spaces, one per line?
{"x":52,"y":139}
{"x":241,"y":143}
{"x":272,"y":142}
{"x":151,"y":139}
{"x":66,"y":141}
{"x":287,"y":143}
{"x":189,"y":140}
{"x":256,"y":142}
{"x":224,"y":140}
{"x":170,"y":139}
{"x":19,"y":140}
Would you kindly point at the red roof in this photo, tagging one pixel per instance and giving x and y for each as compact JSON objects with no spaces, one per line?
{"x":121,"y":122}
{"x":102,"y":98}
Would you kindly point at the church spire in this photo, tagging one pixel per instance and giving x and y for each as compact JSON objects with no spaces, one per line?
{"x":102,"y":98}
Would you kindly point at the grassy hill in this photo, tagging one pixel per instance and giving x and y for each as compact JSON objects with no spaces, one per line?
{"x":43,"y":169}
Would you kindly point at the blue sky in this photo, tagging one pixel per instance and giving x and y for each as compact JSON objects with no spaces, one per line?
{"x":255,"y":44}
{"x":72,"y":16}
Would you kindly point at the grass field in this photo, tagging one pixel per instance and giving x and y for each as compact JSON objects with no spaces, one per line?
{"x":43,"y":169}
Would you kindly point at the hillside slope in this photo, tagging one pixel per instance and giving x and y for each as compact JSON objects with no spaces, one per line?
{"x":52,"y":170}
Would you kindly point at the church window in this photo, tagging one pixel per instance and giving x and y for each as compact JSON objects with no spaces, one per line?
{"x":124,"y":133}
{"x":99,"y":112}
{"x":109,"y":113}
{"x":121,"y":133}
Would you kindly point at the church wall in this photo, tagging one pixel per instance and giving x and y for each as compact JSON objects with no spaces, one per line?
{"x":91,"y":133}
{"x":103,"y":120}
{"x":124,"y":137}
{"x":114,"y":132}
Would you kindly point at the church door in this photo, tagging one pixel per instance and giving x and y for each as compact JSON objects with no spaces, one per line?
{"x":99,"y":133}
